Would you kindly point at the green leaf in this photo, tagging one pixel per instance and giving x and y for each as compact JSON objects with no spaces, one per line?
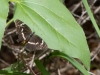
{"x":4,"y":7}
{"x":8,"y":69}
{"x":62,"y":1}
{"x":41,"y":67}
{"x":13,"y":70}
{"x":52,"y":21}
{"x":5,"y":72}
{"x":15,"y":67}
{"x":71,"y":60}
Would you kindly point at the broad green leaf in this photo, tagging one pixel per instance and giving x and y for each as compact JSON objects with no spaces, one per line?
{"x":71,"y":60}
{"x":4,"y":7}
{"x":41,"y":67}
{"x":61,"y":1}
{"x":52,"y":21}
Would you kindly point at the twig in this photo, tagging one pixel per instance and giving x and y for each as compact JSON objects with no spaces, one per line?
{"x":4,"y":62}
{"x":59,"y":72}
{"x":96,"y":53}
{"x":26,"y":63}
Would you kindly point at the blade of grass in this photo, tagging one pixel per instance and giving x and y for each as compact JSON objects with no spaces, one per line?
{"x":91,"y":16}
{"x":41,"y":67}
{"x":71,"y":60}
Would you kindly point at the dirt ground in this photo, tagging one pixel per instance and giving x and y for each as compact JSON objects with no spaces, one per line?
{"x":57,"y":66}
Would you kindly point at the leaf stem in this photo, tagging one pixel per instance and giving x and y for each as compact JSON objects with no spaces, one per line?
{"x":9,"y":22}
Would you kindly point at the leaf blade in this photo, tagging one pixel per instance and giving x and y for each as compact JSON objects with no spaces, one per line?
{"x":71,"y":60}
{"x":3,"y":17}
{"x":41,"y":67}
{"x":52,"y":22}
